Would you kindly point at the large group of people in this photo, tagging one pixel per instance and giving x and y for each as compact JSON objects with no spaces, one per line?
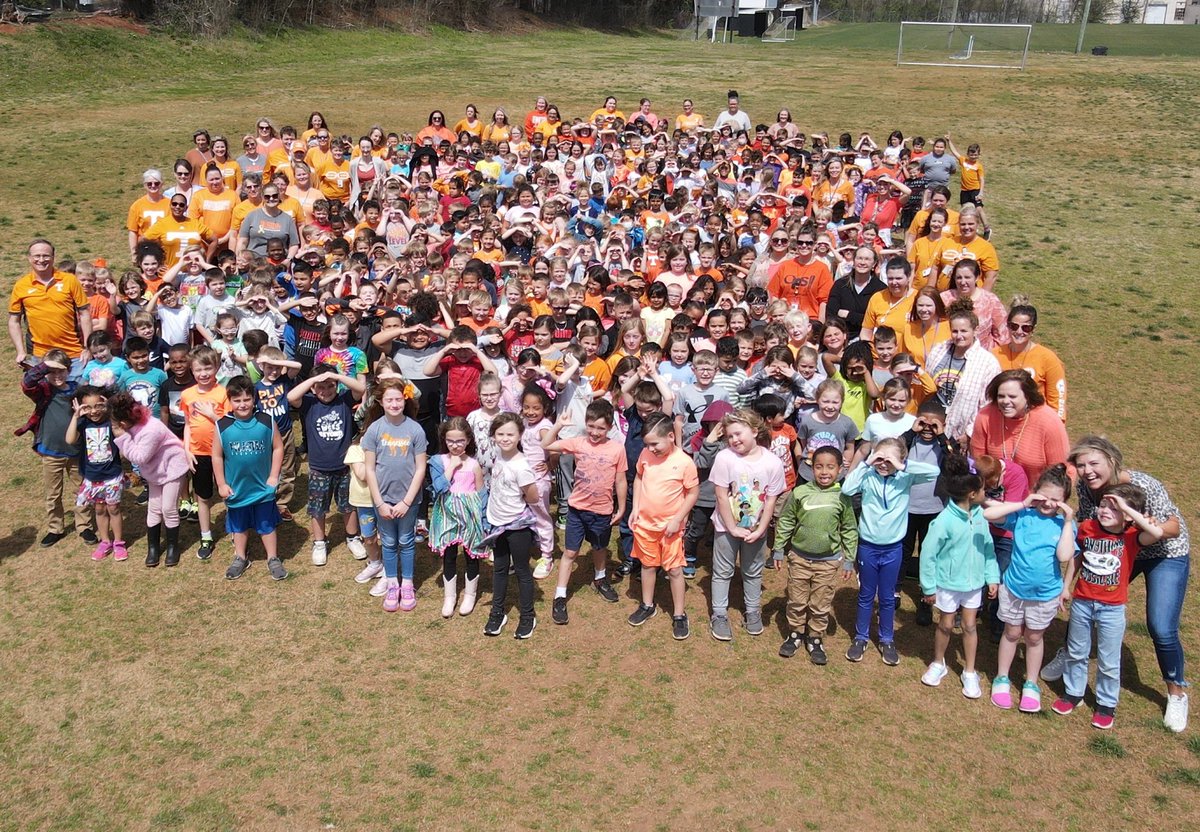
{"x":741,"y":345}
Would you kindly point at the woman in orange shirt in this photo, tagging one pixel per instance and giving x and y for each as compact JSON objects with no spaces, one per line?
{"x":1041,"y":363}
{"x":333,"y":177}
{"x":836,"y":188}
{"x":470,"y":123}
{"x":316,"y":122}
{"x":214,"y":206}
{"x":230,"y":169}
{"x":927,"y":325}
{"x":267,"y":138}
{"x":436,"y":130}
{"x":927,"y":250}
{"x":303,"y":191}
{"x":689,"y":119}
{"x":499,"y":130}
{"x":607,"y":115}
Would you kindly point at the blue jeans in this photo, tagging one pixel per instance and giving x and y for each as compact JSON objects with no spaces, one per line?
{"x":399,"y":537}
{"x":1166,"y":586}
{"x":878,"y":571}
{"x":1109,"y":620}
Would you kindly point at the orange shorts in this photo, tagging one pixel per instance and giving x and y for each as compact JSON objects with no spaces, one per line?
{"x":653,"y":549}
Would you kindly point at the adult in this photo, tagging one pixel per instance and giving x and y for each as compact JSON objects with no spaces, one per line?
{"x":550,"y":127}
{"x":54,"y":308}
{"x":268,"y":223}
{"x":436,"y":130}
{"x":201,"y":154}
{"x":333,"y":175}
{"x":214,"y":207}
{"x":470,"y":122}
{"x":1017,"y":426}
{"x":303,"y":191}
{"x":925,"y":327}
{"x":939,"y":165}
{"x":939,"y":197}
{"x":185,"y":183}
{"x":1041,"y":363}
{"x":177,"y":231}
{"x":882,"y":205}
{"x":850,"y":294}
{"x":689,"y":120}
{"x":253,"y":188}
{"x":962,"y":370}
{"x":925,"y":253}
{"x":146,"y":209}
{"x":784,"y":128}
{"x":268,"y":140}
{"x":644,"y":114}
{"x":536,"y":116}
{"x":1165,"y":565}
{"x":367,"y":172}
{"x":316,"y":122}
{"x":964,"y":285}
{"x":891,"y":307}
{"x":499,"y":130}
{"x":607,"y":116}
{"x":314,"y":157}
{"x":733,"y":116}
{"x":251,"y":160}
{"x":803,"y":281}
{"x":972,"y":246}
{"x":835,"y":188}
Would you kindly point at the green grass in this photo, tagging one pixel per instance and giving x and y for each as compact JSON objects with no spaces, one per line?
{"x":173,"y":699}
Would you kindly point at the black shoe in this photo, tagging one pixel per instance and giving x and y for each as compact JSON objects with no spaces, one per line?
{"x":924,"y":614}
{"x":890,"y":657}
{"x":625,"y":568}
{"x":89,"y":537}
{"x":153,"y":545}
{"x":679,"y":627}
{"x":791,"y":645}
{"x":604,"y":590}
{"x":495,"y":624}
{"x":558,"y":611}
{"x":144,"y":497}
{"x":858,"y":649}
{"x":642,"y":614}
{"x":816,"y":653}
{"x":237,"y":569}
{"x":51,"y":538}
{"x":206,"y":549}
{"x":525,"y":627}
{"x":172,"y":558}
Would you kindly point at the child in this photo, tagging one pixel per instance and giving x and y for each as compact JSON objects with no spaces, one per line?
{"x":260,"y":314}
{"x":664,"y":492}
{"x":825,"y":427}
{"x":806,"y":368}
{"x":677,"y":366}
{"x":99,"y":469}
{"x":574,"y":396}
{"x":512,"y":490}
{"x":776,"y":376}
{"x":303,"y":333}
{"x":957,"y":559}
{"x":229,"y":348}
{"x":481,"y":418}
{"x":364,"y":507}
{"x":159,"y":456}
{"x":462,"y":362}
{"x":692,"y":400}
{"x":884,"y":480}
{"x":104,"y":369}
{"x":328,"y":419}
{"x":1031,"y":588}
{"x":141,"y":380}
{"x":456,"y":518}
{"x":202,"y":405}
{"x":819,"y":532}
{"x":704,"y":447}
{"x":854,"y":372}
{"x":337,"y":352}
{"x":748,"y":479}
{"x":278,"y":377}
{"x":926,"y":442}
{"x":893,"y":421}
{"x":142,"y":325}
{"x":591,"y":513}
{"x":212,"y":303}
{"x":535,"y":404}
{"x":1108,"y":547}
{"x":729,"y":376}
{"x":246,"y":463}
{"x":174,"y":318}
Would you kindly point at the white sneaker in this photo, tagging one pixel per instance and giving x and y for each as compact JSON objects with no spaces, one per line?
{"x":381,"y":586}
{"x":934,"y":675}
{"x":320,"y":554}
{"x":373,"y":569}
{"x":543,"y":569}
{"x":1176,"y":716}
{"x":357,"y":547}
{"x":1054,"y":668}
{"x":971,"y":688}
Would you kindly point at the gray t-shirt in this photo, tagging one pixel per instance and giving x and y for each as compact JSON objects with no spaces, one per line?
{"x":396,"y":448}
{"x":691,"y":402}
{"x":923,"y":498}
{"x":813,"y":435}
{"x":258,"y":227}
{"x":938,"y":169}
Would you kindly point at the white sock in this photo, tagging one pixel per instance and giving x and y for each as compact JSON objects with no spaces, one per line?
{"x":560,"y":592}
{"x":393,"y":582}
{"x":601,"y":574}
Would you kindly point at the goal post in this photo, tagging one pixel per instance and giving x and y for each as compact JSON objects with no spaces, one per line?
{"x":979,"y":45}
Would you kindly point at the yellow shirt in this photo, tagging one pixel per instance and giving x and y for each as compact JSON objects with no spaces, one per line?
{"x":882,"y":310}
{"x":144,"y":212}
{"x":688,"y":123}
{"x":334,"y":180}
{"x":175,"y":236}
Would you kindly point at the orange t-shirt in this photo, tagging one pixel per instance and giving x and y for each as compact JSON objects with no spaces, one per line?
{"x":216,"y":210}
{"x":175,"y":236}
{"x":201,"y":431}
{"x":232,"y":172}
{"x":1044,"y":367}
{"x":598,"y":374}
{"x":918,"y":223}
{"x":805,"y":285}
{"x":333,"y":179}
{"x":883,"y":311}
{"x":926,"y":256}
{"x":664,"y":483}
{"x":144,"y":212}
{"x":910,"y":340}
{"x":240,"y":212}
{"x":50,"y":311}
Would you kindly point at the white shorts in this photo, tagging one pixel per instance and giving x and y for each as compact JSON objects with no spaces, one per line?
{"x":1036,"y":615}
{"x":949,"y":600}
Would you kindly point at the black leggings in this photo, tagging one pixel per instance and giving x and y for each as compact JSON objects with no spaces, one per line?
{"x":513,"y":547}
{"x":450,"y":565}
{"x":918,"y":527}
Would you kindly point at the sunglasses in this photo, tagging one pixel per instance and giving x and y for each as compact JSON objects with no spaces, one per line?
{"x":1020,"y":327}
{"x":178,"y":204}
{"x":804,"y":243}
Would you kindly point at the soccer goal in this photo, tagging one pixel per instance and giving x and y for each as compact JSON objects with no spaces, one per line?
{"x":980,"y":45}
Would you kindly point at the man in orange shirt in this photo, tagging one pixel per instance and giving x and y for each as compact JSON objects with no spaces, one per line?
{"x":53,"y":306}
{"x":892,"y":306}
{"x":176,"y":232}
{"x":804,"y":281}
{"x":146,"y":210}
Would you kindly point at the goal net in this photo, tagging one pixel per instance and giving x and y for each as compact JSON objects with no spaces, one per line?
{"x":981,"y":45}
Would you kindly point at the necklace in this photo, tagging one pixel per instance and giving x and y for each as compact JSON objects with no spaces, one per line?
{"x":1004,"y":437}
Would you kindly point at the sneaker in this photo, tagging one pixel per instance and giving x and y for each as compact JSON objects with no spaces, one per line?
{"x":1103,"y":721}
{"x":625,"y":568}
{"x":236,"y":569}
{"x":1031,"y":698}
{"x":890,"y":657}
{"x":101,"y":551}
{"x":1176,"y":717}
{"x":185,"y":510}
{"x":791,"y":645}
{"x":934,"y":674}
{"x":421,"y":531}
{"x":408,"y":597}
{"x":143,"y":498}
{"x":357,"y":548}
{"x":120,"y":553}
{"x":285,"y":514}
{"x":373,"y":569}
{"x":525,"y":627}
{"x":391,"y":598}
{"x":1064,"y":706}
{"x":754,"y":625}
{"x":51,"y":538}
{"x":275,"y":567}
{"x":689,"y":572}
{"x":495,"y":624}
{"x":320,"y":553}
{"x":680,"y":629}
{"x":380,"y":588}
{"x":193,"y":509}
{"x":642,"y":614}
{"x":858,"y":649}
{"x":561,"y":524}
{"x":89,"y":537}
{"x":543,"y":569}
{"x":1002,"y":693}
{"x":970,"y":683}
{"x":558,"y":611}
{"x":719,"y":626}
{"x":605,"y":590}
{"x":207,"y":547}
{"x":816,"y":652}
{"x":1054,"y":668}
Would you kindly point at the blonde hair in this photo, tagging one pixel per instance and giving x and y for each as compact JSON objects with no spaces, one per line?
{"x":752,"y":420}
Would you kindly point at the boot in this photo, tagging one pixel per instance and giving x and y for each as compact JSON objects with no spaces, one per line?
{"x":153,"y":545}
{"x":470,"y":590}
{"x":172,"y":546}
{"x":451,"y":588}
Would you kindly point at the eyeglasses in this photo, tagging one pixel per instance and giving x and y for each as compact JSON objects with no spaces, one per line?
{"x":1026,"y":328}
{"x":805,"y":243}
{"x":560,"y":308}
{"x":250,"y":186}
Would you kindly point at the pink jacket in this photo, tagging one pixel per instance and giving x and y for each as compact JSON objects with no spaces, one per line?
{"x":156,"y":451}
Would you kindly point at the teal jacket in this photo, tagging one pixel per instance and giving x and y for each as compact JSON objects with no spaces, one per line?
{"x":885,"y":499}
{"x":818,"y":523}
{"x":957,"y":552}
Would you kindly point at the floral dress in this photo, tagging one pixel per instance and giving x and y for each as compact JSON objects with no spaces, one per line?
{"x":456,"y":518}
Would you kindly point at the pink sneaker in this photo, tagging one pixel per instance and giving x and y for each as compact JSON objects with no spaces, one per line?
{"x":101,"y":550}
{"x":1031,"y":698}
{"x":1102,"y":721}
{"x":119,"y":551}
{"x":391,"y":599}
{"x":408,"y":597}
{"x":1002,"y":693}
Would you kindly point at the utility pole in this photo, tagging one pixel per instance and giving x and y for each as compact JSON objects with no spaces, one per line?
{"x":1087,"y":9}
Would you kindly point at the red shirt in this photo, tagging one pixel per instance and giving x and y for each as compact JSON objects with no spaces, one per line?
{"x":1107,"y":562}
{"x":462,"y":384}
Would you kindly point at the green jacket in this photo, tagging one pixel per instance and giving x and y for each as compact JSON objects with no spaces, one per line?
{"x":818,"y":522}
{"x":957,"y":553}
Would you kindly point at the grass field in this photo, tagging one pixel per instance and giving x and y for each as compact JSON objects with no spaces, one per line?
{"x":134,"y":699}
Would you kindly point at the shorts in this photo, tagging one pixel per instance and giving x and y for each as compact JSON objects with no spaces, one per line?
{"x":366,"y":521}
{"x":969,"y":196}
{"x":324,"y":487}
{"x":1036,"y":615}
{"x":582,"y":525}
{"x":107,"y":492}
{"x":653,"y":549}
{"x":949,"y":600}
{"x":262,"y":518}
{"x":203,"y":482}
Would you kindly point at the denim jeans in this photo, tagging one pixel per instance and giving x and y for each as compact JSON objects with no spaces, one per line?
{"x":1109,"y":621}
{"x":399,"y":537}
{"x":1166,"y":586}
{"x":878,"y":570}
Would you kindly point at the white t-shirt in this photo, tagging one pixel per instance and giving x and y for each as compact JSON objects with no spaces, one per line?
{"x":176,"y":323}
{"x":506,"y":500}
{"x":879,"y":427}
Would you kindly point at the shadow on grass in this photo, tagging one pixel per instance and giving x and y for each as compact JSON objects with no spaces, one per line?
{"x":17,"y":542}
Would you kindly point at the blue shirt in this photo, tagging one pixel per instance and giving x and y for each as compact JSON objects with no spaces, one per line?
{"x":246,"y":446}
{"x":272,"y":400}
{"x":884,"y":517}
{"x":1033,"y":573}
{"x":143,"y":387}
{"x":104,"y":375}
{"x":329,"y":429}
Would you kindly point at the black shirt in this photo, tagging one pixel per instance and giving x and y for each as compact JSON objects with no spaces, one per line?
{"x":843,"y":295}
